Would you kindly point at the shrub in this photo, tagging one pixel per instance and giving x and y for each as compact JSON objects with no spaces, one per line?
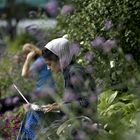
{"x":110,"y":30}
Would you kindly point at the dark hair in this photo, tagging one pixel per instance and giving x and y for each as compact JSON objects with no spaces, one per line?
{"x":47,"y":54}
{"x":36,"y":56}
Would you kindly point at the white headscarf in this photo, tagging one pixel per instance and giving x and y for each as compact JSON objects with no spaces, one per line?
{"x":61,"y":48}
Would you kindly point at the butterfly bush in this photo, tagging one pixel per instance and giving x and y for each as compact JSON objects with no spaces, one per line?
{"x":67,"y":9}
{"x":89,"y":56}
{"x":98,"y":41}
{"x":75,"y":48}
{"x":52,"y":8}
{"x":108,"y":25}
{"x":108,"y":45}
{"x":128,"y":57}
{"x":109,"y":30}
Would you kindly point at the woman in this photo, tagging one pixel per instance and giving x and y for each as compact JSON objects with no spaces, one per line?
{"x":35,"y":67}
{"x":79,"y":97}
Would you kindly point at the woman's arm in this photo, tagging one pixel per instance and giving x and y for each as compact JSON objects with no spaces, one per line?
{"x":25,"y":69}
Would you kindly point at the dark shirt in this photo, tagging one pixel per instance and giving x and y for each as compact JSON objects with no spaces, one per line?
{"x":79,"y":85}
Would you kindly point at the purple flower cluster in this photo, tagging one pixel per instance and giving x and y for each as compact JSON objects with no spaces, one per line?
{"x":52,"y":8}
{"x":128,"y":57}
{"x":89,"y":56}
{"x":106,"y":45}
{"x":67,"y":9}
{"x":75,"y":48}
{"x":11,"y":101}
{"x":10,"y":126}
{"x":108,"y":25}
{"x":97,"y":42}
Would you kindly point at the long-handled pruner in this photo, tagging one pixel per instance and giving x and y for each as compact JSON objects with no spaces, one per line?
{"x":33,"y":106}
{"x":44,"y":108}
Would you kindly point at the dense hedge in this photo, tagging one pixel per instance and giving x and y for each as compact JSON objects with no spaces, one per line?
{"x":109,"y":30}
{"x":108,"y":33}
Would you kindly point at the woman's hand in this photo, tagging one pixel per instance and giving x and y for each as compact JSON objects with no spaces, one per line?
{"x":27,"y":107}
{"x":50,"y":107}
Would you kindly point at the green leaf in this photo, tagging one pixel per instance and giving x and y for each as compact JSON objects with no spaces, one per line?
{"x":112,"y":97}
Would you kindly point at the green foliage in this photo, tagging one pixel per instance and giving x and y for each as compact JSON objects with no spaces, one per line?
{"x":117,"y":111}
{"x":88,"y":21}
{"x":5,"y":78}
{"x":113,"y":20}
{"x":10,"y":71}
{"x":20,"y":39}
{"x":10,"y":123}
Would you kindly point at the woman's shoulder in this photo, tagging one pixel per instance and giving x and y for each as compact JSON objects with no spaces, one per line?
{"x":76,"y":68}
{"x":40,"y":59}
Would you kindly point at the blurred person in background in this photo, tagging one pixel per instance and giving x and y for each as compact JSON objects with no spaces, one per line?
{"x":35,"y":67}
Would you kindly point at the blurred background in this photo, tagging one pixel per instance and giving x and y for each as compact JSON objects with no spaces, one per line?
{"x":15,"y":15}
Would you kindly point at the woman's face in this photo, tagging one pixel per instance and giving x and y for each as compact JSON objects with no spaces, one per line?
{"x":54,"y":66}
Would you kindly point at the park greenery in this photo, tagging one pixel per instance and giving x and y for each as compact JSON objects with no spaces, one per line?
{"x":107,"y":34}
